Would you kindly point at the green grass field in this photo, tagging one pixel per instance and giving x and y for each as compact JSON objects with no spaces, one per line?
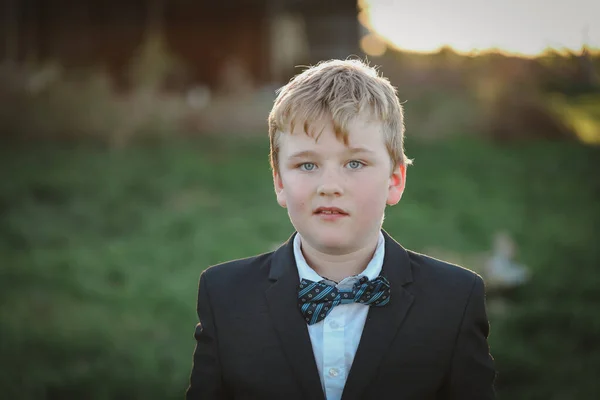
{"x":101,"y":252}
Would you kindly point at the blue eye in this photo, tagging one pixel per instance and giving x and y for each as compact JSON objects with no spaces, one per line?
{"x":355,"y":164}
{"x":307,"y":166}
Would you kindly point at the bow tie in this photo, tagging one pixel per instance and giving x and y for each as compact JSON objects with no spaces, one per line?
{"x":317,"y":299}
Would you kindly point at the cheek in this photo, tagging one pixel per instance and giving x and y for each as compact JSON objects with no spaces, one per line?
{"x":373,"y":194}
{"x":298,"y":193}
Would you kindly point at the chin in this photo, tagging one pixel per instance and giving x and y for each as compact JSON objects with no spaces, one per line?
{"x":331,"y":241}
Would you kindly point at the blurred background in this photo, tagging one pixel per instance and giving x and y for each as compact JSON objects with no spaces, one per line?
{"x":134,"y":151}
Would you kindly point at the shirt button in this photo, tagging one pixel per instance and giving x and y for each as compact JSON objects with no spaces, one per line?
{"x":333,"y":372}
{"x":334,"y":325}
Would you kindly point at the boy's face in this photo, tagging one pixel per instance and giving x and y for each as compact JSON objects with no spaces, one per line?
{"x":336,"y":194}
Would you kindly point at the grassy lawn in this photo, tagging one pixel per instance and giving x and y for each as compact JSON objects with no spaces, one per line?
{"x":101,"y":250}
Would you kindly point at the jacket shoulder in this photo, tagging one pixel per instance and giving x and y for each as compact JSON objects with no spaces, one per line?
{"x":236,"y":270}
{"x":441,"y":271}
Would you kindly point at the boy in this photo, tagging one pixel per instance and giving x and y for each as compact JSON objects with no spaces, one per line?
{"x":341,"y":310}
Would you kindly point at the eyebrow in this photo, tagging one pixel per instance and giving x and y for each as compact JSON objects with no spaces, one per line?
{"x":303,"y":154}
{"x":354,"y":150}
{"x":351,"y":150}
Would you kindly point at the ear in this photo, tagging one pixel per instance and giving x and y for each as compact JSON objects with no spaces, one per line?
{"x":397,"y":182}
{"x":279,"y":191}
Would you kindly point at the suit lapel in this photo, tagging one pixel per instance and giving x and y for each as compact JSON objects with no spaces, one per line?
{"x":291,"y":327}
{"x":382,"y":323}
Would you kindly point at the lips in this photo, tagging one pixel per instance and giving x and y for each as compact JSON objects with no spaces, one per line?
{"x":330,"y":211}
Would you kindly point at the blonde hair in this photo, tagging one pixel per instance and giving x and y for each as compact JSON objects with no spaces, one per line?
{"x":340,"y":90}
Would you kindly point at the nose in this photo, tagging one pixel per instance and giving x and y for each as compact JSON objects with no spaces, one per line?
{"x":330,"y":184}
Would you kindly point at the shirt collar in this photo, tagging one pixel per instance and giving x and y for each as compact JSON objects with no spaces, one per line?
{"x":372,"y":270}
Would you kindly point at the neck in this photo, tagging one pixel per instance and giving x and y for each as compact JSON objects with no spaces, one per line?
{"x":339,"y":266}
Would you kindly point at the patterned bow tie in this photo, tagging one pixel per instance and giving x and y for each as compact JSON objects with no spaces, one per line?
{"x":317,"y":299}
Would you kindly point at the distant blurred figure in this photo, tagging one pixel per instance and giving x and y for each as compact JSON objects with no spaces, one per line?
{"x":289,"y":44}
{"x":500,"y":269}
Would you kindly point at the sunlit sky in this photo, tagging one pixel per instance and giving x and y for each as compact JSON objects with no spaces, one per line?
{"x":516,"y":26}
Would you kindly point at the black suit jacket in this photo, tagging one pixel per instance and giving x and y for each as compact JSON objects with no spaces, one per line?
{"x":428,"y":342}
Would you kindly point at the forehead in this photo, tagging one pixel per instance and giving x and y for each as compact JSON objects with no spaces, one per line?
{"x":362,"y":132}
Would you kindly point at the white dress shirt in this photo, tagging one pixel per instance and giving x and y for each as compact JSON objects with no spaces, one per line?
{"x":335,"y":339}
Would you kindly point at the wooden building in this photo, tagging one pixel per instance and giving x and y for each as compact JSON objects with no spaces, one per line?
{"x":265,"y":37}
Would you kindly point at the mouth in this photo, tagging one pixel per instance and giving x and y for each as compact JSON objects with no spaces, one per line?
{"x":333,"y":211}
